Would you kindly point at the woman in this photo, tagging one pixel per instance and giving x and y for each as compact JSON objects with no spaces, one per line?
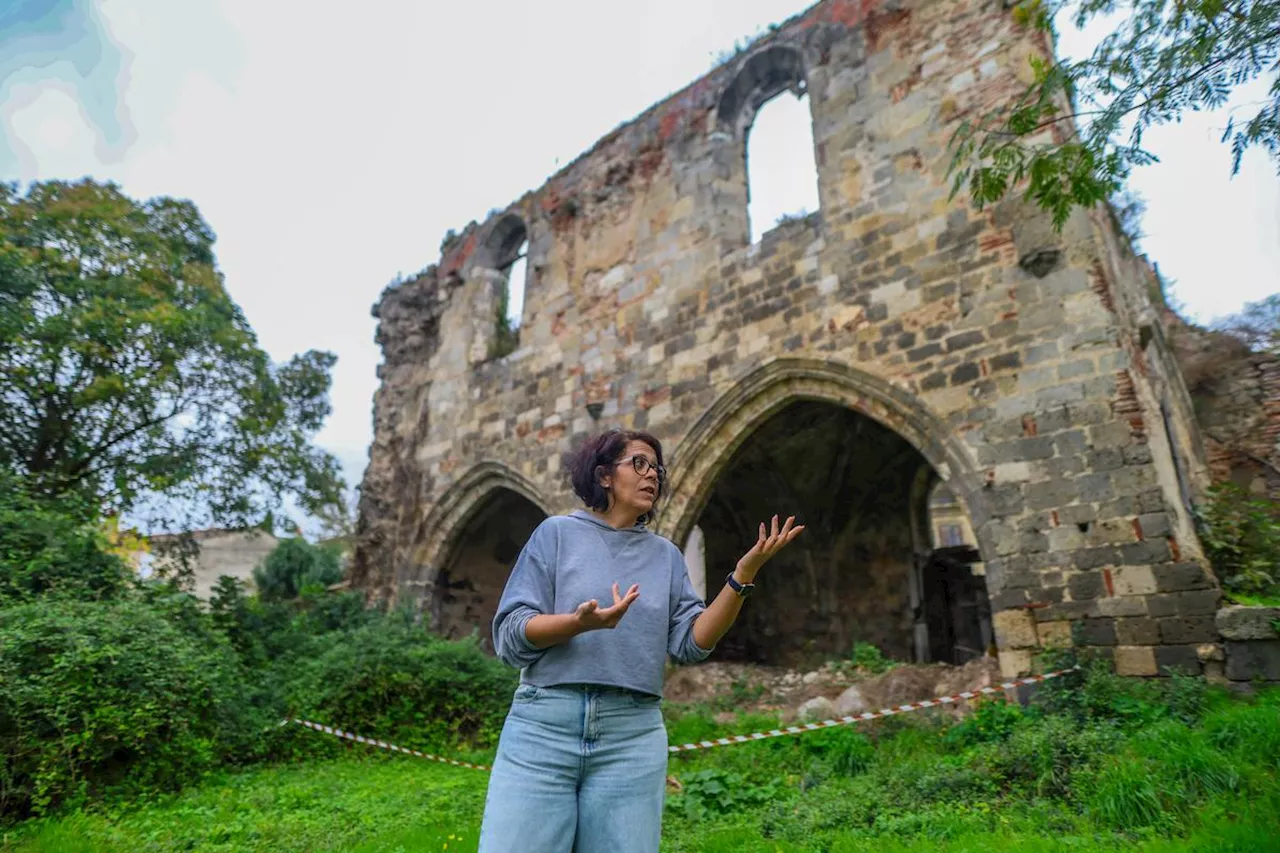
{"x":582,"y":760}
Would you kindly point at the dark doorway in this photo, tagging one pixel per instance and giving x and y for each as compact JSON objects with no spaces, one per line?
{"x":470,"y":584}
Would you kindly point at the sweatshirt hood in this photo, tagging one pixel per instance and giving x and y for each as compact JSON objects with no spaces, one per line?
{"x":590,"y":518}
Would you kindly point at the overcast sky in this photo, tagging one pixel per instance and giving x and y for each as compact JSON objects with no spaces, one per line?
{"x":331,"y":150}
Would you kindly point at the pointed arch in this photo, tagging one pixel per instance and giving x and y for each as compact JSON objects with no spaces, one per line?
{"x":701,"y":456}
{"x":448,"y":519}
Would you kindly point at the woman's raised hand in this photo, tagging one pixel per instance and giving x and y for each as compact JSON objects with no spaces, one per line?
{"x":592,"y":616}
{"x":771,"y":541}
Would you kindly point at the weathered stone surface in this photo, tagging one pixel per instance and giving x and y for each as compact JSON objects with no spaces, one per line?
{"x":816,"y":709}
{"x":1015,"y":629}
{"x":850,"y":702}
{"x":1135,"y":660}
{"x":1236,"y":622}
{"x":834,"y":367}
{"x":1250,"y":659}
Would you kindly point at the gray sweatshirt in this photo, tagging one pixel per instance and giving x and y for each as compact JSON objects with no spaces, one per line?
{"x":575,"y":558}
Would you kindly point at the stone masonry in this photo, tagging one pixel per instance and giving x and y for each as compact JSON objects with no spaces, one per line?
{"x":1026,"y":368}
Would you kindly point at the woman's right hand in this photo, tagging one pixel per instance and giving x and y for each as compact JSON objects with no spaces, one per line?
{"x":591,"y":616}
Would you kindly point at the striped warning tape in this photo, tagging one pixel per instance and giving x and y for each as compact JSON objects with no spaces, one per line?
{"x":382,"y":744}
{"x":726,"y":741}
{"x":869,"y":715}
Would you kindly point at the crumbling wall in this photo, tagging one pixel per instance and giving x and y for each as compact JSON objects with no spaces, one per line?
{"x":1011,"y":357}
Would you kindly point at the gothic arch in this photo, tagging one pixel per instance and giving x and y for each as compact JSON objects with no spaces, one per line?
{"x":701,"y":456}
{"x":762,"y":76}
{"x":448,"y":519}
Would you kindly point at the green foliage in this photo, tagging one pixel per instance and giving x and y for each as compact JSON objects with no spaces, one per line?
{"x":506,"y":336}
{"x":1160,"y":61}
{"x":295,"y":566}
{"x":100,"y":695}
{"x":52,"y":547}
{"x":715,"y":792}
{"x":1172,"y":788}
{"x":1241,"y":536}
{"x":392,"y":679}
{"x":846,"y":750}
{"x":991,"y":721}
{"x":127,"y":372}
{"x":869,"y":657}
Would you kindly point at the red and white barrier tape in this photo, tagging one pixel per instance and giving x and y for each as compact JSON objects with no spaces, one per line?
{"x":869,"y":715}
{"x":329,"y":730}
{"x":726,"y":741}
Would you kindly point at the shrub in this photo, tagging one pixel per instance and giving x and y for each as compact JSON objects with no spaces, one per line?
{"x":102,"y":695}
{"x":992,"y":720}
{"x":1046,"y":756}
{"x":846,"y":750}
{"x":393,"y":679}
{"x":1241,"y":536}
{"x":868,"y":657}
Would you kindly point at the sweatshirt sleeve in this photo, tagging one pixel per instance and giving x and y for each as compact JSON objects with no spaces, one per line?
{"x":686,"y":606}
{"x":530,"y":591}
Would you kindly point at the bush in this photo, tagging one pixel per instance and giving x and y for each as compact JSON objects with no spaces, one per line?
{"x":124,"y":695}
{"x":846,"y":750}
{"x":52,"y":547}
{"x":392,"y":679}
{"x":1241,"y":536}
{"x":296,"y":566}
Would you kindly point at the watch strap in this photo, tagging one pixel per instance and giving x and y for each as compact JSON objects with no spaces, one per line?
{"x":742,"y":590}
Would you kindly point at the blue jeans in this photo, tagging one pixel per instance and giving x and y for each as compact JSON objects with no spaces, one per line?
{"x":580,"y":768}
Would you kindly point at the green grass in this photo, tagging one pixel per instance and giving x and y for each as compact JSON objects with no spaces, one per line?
{"x":1005,"y":780}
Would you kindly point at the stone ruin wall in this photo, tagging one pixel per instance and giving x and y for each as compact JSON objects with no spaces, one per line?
{"x":1025,"y":367}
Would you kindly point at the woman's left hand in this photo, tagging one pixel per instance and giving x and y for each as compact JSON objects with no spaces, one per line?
{"x":770,"y":542}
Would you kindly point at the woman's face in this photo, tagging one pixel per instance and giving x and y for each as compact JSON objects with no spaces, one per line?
{"x":630,"y":488}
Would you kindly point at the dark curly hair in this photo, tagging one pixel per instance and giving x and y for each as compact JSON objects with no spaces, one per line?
{"x":595,"y":457}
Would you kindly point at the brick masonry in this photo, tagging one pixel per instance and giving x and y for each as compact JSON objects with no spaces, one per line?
{"x":1027,"y":366}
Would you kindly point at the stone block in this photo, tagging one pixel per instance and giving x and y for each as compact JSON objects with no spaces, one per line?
{"x":1211,"y":651}
{"x":1248,"y":623}
{"x":1136,"y":660}
{"x":1201,"y":602}
{"x":1177,"y":577}
{"x":1015,"y":629}
{"x":1137,"y":632}
{"x":1154,"y":525}
{"x":1097,"y":632}
{"x":1123,"y":605}
{"x":1055,"y":634}
{"x":1134,"y":580}
{"x":1184,"y":659}
{"x":1250,"y":659}
{"x":1014,"y":663}
{"x":1187,"y":629}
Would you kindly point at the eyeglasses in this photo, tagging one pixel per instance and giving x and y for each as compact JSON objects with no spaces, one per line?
{"x":641,"y":464}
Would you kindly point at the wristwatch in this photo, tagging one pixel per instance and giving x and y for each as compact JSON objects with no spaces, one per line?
{"x":742,"y":589}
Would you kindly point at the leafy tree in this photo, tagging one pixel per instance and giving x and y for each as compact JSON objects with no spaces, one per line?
{"x":293,"y":566}
{"x":128,"y":373}
{"x":53,"y":548}
{"x":1162,"y":59}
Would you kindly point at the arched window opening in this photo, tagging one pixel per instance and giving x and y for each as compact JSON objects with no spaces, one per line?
{"x":508,"y":250}
{"x":782,"y":173}
{"x":948,"y":523}
{"x":513,"y":292}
